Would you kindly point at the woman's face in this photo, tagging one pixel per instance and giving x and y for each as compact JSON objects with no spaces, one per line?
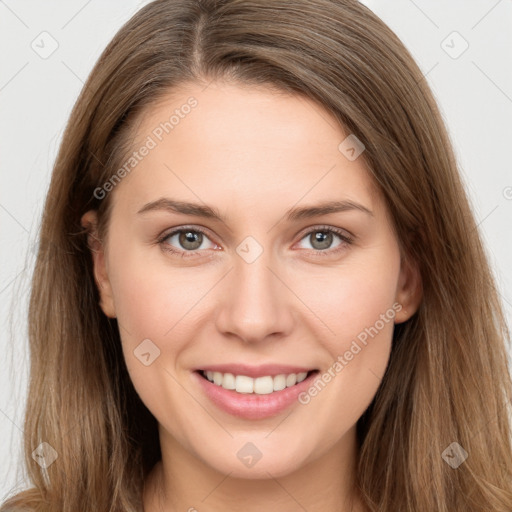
{"x":262,"y":284}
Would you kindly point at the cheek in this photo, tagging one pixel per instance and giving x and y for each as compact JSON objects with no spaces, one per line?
{"x":151,"y":308}
{"x":150,"y":298}
{"x":356,"y":308}
{"x":351,"y":298}
{"x":357,"y":304}
{"x":154,"y":309}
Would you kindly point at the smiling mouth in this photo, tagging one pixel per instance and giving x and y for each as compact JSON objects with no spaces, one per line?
{"x":264,"y":385}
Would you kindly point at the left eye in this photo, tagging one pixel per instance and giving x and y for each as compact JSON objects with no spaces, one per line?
{"x":322,"y":239}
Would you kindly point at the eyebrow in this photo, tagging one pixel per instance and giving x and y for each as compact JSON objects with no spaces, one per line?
{"x":208,"y":212}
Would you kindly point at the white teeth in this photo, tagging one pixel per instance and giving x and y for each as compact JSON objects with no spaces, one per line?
{"x":279,"y":382}
{"x":260,"y":386}
{"x":217,"y":378}
{"x":228,"y":382}
{"x":291,"y":379}
{"x":263,"y":385}
{"x":244,"y":384}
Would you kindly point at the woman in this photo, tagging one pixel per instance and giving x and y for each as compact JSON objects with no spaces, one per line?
{"x":189,"y":352}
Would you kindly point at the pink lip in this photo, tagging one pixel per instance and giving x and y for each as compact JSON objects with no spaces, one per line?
{"x":251,"y":406}
{"x":255,"y":371}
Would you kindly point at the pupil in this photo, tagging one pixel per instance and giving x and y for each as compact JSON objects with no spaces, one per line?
{"x":190,"y":240}
{"x":321,"y":240}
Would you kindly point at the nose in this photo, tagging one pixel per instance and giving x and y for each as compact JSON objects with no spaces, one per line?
{"x":254,"y":305}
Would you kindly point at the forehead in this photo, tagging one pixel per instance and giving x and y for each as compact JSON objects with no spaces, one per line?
{"x":253,"y":145}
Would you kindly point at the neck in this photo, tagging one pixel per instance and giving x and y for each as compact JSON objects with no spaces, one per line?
{"x":183,"y":482}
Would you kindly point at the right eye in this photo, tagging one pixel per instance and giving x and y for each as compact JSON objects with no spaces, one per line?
{"x":185,"y":241}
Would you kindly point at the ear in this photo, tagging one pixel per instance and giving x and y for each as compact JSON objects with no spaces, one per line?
{"x":409,"y":290}
{"x":89,"y":221}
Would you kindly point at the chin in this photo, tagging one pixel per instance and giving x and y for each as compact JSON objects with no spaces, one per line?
{"x":257,"y":460}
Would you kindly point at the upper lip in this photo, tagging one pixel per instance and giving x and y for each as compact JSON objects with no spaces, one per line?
{"x":255,"y":371}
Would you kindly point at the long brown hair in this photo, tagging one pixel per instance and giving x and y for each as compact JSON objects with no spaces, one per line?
{"x":447,"y":380}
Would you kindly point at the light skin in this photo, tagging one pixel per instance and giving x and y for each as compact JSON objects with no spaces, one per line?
{"x":253,"y":155}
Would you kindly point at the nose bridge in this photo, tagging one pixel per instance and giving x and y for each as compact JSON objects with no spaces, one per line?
{"x":255,"y":303}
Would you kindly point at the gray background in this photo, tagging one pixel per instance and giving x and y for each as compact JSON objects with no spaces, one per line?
{"x":37,"y":91}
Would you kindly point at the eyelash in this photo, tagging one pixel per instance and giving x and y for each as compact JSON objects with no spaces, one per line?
{"x":346,"y":240}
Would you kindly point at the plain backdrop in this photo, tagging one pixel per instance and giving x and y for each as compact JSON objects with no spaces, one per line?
{"x":464,"y":48}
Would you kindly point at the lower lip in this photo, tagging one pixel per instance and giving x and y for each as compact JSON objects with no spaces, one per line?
{"x":251,"y":406}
